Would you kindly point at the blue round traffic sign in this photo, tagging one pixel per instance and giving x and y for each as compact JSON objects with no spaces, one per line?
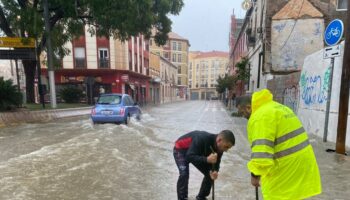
{"x":334,"y":32}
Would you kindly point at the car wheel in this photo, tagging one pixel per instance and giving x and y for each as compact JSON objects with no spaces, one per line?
{"x":127,"y":120}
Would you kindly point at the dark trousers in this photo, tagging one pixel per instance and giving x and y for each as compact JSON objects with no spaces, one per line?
{"x":184,"y":175}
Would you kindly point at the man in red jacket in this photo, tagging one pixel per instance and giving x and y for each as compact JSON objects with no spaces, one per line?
{"x":204,"y":150}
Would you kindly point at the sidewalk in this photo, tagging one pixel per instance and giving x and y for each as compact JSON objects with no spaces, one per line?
{"x":26,"y":116}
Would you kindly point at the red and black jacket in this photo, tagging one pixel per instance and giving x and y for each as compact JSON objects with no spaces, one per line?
{"x":197,"y":146}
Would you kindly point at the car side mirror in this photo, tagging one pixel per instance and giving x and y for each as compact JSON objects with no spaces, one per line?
{"x":135,"y":104}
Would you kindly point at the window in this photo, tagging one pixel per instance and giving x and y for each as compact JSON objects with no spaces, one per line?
{"x":179,"y":58}
{"x":166,"y":55}
{"x":179,"y":69}
{"x":79,"y":57}
{"x":174,"y":58}
{"x":179,"y":46}
{"x":342,"y":4}
{"x":260,"y":66}
{"x":103,"y":58}
{"x":174,"y":46}
{"x":179,"y":81}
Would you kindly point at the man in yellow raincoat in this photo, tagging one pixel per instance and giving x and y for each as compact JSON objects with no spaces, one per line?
{"x":282,"y":159}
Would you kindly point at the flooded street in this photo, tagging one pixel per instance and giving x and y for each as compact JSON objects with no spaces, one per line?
{"x":73,"y":159}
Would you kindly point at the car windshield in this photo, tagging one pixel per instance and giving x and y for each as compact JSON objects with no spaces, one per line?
{"x":110,"y":99}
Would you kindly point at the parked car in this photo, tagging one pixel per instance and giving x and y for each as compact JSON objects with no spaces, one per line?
{"x":214,"y":97}
{"x":115,"y":108}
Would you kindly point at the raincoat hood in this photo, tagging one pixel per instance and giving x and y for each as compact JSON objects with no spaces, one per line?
{"x":260,"y":98}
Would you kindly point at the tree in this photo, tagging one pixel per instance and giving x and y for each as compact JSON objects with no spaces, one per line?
{"x":225,"y":82}
{"x":117,"y":18}
{"x":242,"y":72}
{"x":9,"y":96}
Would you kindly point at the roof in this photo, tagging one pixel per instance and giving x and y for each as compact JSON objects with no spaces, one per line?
{"x":176,"y":36}
{"x":171,"y":35}
{"x":212,"y":54}
{"x":296,"y":9}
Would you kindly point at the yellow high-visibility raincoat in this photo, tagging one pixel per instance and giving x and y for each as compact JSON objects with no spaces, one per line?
{"x":281,"y":153}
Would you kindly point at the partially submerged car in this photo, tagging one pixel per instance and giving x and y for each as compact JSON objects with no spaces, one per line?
{"x":115,"y":108}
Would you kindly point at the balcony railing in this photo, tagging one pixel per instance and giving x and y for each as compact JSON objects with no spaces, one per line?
{"x":80,"y":63}
{"x":103,"y":63}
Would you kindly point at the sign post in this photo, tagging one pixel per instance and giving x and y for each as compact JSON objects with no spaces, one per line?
{"x":332,"y":37}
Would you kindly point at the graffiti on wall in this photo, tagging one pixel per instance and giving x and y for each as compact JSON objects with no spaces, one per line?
{"x":291,"y":97}
{"x":314,"y":88}
{"x":286,"y":90}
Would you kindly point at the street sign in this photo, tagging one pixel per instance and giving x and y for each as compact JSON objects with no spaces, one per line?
{"x":17,"y":42}
{"x":331,"y":52}
{"x":17,"y":54}
{"x":334,"y":32}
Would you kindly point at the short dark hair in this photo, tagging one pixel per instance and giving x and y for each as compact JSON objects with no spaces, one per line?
{"x":228,"y":136}
{"x":244,"y":100}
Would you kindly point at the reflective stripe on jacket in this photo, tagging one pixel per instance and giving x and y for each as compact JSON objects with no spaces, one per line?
{"x":281,"y":153}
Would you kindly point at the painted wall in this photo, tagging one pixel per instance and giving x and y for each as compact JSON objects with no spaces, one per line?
{"x":285,"y":90}
{"x":313,"y":86}
{"x":292,"y":40}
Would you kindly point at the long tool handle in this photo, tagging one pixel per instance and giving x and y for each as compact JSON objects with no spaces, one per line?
{"x":213,"y":182}
{"x":213,"y":192}
{"x":256,"y":193}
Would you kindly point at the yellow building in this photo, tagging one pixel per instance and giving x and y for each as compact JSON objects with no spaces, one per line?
{"x":204,"y":70}
{"x":176,"y":51}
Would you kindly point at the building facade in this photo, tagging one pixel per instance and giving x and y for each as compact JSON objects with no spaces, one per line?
{"x":154,"y":72}
{"x":279,"y":35}
{"x":168,"y":76}
{"x":95,"y":62}
{"x":176,"y":51}
{"x":204,"y":70}
{"x":238,"y":50}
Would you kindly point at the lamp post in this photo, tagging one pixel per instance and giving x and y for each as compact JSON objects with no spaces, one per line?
{"x":206,"y":86}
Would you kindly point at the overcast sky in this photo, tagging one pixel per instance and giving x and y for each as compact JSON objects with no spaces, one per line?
{"x":206,"y":23}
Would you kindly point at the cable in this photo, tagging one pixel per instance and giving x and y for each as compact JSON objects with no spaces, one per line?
{"x":301,"y":7}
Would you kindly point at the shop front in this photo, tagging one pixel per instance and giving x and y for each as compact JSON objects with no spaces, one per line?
{"x":94,"y":82}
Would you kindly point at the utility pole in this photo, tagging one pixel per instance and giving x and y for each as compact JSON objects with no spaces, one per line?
{"x":344,"y":91}
{"x":49,"y":55}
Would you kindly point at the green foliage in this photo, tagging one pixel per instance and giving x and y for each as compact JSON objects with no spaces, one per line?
{"x":9,"y":96}
{"x":225,"y":82}
{"x":71,"y":94}
{"x":242,"y":70}
{"x":120,"y":19}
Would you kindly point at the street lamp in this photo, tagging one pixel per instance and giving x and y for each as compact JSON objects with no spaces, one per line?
{"x":206,"y":86}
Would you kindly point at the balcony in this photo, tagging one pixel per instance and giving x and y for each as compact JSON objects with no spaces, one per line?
{"x":103,"y":63}
{"x":79,"y":63}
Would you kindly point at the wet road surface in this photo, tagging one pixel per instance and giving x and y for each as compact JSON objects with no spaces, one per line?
{"x":73,"y":159}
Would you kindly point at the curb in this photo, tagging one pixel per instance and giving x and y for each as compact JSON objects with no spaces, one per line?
{"x":14,"y":118}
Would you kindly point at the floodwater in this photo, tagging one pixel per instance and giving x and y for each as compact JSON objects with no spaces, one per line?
{"x":73,"y":159}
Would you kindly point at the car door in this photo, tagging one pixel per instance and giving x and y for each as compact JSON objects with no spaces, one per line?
{"x":133,"y":109}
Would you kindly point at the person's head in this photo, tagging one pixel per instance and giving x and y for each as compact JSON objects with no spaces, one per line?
{"x":225,"y":140}
{"x":244,"y":105}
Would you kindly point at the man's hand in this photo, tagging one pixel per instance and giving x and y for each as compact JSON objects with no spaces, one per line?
{"x":255,"y":180}
{"x":212,"y":158}
{"x":214,"y":175}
